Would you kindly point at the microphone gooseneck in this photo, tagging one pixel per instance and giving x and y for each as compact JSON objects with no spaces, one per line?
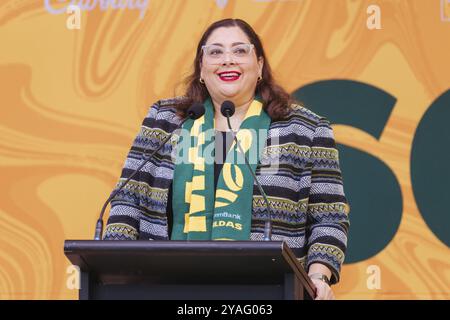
{"x":194,"y":112}
{"x":227,"y":109}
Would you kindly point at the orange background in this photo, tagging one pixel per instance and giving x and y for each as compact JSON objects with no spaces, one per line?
{"x":72,"y":102}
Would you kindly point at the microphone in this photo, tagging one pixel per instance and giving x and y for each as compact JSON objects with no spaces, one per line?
{"x":227,"y":109}
{"x":194,"y":112}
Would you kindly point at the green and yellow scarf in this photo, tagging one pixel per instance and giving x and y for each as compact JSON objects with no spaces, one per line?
{"x":199,"y":213}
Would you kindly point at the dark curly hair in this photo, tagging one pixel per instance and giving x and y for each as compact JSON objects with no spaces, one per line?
{"x":276,"y":101}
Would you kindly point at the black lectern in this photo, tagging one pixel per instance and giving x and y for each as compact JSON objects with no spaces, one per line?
{"x":188,"y":270}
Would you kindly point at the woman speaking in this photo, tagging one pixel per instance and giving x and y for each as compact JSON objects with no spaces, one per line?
{"x":199,"y":185}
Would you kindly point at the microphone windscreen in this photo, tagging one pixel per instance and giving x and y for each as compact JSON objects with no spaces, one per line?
{"x":196,"y":110}
{"x":227,"y":108}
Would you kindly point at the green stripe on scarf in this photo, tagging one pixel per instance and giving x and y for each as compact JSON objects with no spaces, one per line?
{"x":198,"y":213}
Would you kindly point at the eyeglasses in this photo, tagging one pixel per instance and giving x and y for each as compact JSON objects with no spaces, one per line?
{"x":215,"y":53}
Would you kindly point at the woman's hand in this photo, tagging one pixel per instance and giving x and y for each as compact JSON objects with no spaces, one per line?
{"x":323,"y":290}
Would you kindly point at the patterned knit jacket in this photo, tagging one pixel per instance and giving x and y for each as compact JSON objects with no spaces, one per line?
{"x":305,"y":189}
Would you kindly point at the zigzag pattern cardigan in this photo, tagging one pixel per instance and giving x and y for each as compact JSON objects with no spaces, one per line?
{"x":305,"y":189}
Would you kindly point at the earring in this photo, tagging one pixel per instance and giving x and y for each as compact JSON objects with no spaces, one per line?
{"x":259,"y":78}
{"x":201,"y":81}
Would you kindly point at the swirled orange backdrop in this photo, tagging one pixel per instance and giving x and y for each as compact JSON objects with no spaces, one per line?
{"x":72,"y":102}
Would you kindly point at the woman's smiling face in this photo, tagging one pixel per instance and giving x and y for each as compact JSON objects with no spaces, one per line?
{"x":230,"y":77}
